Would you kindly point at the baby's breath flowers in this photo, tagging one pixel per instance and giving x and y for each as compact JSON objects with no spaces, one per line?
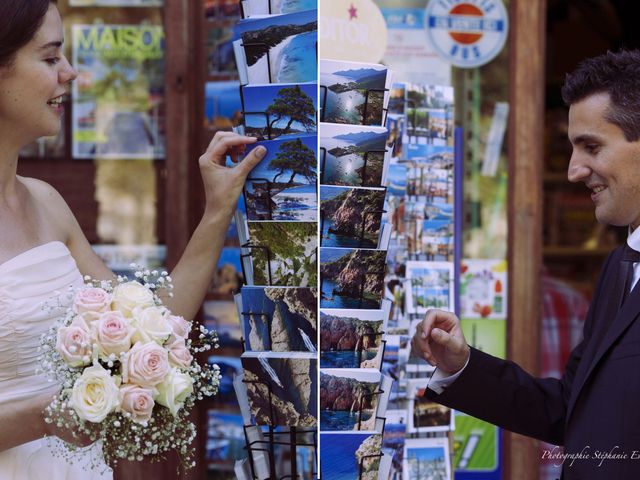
{"x":126,"y":369}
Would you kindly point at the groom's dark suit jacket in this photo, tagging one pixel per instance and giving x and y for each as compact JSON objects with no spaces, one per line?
{"x":595,"y":407}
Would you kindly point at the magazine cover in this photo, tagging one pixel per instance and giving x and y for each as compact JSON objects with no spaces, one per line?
{"x":276,"y":7}
{"x":283,"y":186}
{"x":273,"y":111}
{"x":343,"y":454}
{"x":351,"y":278}
{"x":351,"y":338}
{"x":353,"y":155}
{"x":350,"y":217}
{"x":279,"y":319}
{"x":282,"y":387}
{"x":118,"y":97}
{"x":278,"y":48}
{"x":427,"y":459}
{"x":353,"y":93}
{"x":431,"y":286}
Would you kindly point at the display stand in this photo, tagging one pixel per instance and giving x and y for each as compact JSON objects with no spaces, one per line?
{"x":250,"y":247}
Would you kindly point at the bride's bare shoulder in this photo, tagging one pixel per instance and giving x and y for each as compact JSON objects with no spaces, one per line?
{"x":46,"y":197}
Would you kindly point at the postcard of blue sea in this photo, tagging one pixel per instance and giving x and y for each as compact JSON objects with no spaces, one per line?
{"x":275,"y":7}
{"x":342,"y":453}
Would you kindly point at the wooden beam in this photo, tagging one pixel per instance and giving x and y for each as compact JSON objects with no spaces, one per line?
{"x":526,"y":141}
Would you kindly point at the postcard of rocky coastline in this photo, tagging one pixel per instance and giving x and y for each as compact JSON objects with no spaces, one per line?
{"x":351,"y":278}
{"x":430,"y":286}
{"x":351,"y":338}
{"x":395,"y":432}
{"x":280,"y":253}
{"x":353,"y":155}
{"x":275,"y":111}
{"x":283,"y":186}
{"x":278,"y":48}
{"x":342,"y":453}
{"x":424,"y":415}
{"x":278,"y":319}
{"x":351,"y":217}
{"x":282,"y":387}
{"x":426,"y":455}
{"x":354,"y":93}
{"x":276,"y":7}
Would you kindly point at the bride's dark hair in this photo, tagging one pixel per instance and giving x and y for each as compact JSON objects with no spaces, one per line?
{"x":19,"y":22}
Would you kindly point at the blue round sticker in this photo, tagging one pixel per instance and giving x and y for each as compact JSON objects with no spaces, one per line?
{"x":467,"y":33}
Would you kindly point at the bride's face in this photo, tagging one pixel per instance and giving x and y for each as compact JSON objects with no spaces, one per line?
{"x":31,"y":89}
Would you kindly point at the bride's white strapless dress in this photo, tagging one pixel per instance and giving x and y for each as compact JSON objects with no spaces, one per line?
{"x":29,"y":283}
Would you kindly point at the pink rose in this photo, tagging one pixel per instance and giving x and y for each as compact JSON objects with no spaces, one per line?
{"x":74,"y":345}
{"x":113,"y":333}
{"x":146,"y":364}
{"x":180,"y":326}
{"x":91,"y":300}
{"x":179,"y":354}
{"x":138,"y":401}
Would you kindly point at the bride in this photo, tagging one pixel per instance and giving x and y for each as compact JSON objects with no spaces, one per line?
{"x":43,"y":250}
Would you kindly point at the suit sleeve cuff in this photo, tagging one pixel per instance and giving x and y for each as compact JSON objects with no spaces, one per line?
{"x":440,"y":380}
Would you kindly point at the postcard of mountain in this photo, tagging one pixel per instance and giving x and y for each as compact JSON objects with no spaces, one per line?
{"x":353,"y":93}
{"x":275,"y":7}
{"x":273,"y":111}
{"x":280,"y":48}
{"x":350,"y":217}
{"x":284,"y":253}
{"x":351,"y":278}
{"x":279,"y":319}
{"x":349,"y":398}
{"x":431,"y":286}
{"x":353,"y":155}
{"x":118,"y":99}
{"x":341,"y":455}
{"x":351,"y":338}
{"x":426,"y":455}
{"x":283,"y":186}
{"x":282,"y":387}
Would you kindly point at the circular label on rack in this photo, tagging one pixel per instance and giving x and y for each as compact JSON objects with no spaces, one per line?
{"x":467,"y":33}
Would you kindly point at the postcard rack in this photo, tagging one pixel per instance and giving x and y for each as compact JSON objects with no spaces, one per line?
{"x":268,"y":256}
{"x":268,"y":185}
{"x":273,"y":439}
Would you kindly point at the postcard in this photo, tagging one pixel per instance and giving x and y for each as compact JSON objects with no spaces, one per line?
{"x":351,"y":338}
{"x":227,"y":278}
{"x":282,"y":387}
{"x":222,"y":317}
{"x":395,"y":431}
{"x":276,"y":7}
{"x":222,"y":10}
{"x":353,"y":155}
{"x":344,"y":454}
{"x":283,"y":186}
{"x":278,"y":48}
{"x":426,"y":455}
{"x":429,"y":96}
{"x":225,"y":441}
{"x":434,"y":184}
{"x":427,"y":126}
{"x":486,"y":334}
{"x":436,"y":156}
{"x":222,"y":105}
{"x":280,"y":253}
{"x":221,"y":60}
{"x":397,"y":101}
{"x":431,"y":286}
{"x":351,"y":278}
{"x":351,"y":217}
{"x":437,"y":240}
{"x":396,"y":127}
{"x":483,"y":288}
{"x":274,"y":111}
{"x":397,"y":179}
{"x":279,"y":319}
{"x":476,"y":444}
{"x":425,"y":415}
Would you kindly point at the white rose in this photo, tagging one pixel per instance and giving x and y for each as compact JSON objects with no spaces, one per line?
{"x":151,"y":324}
{"x":130,"y":295}
{"x":174,"y":390}
{"x":95,"y":394}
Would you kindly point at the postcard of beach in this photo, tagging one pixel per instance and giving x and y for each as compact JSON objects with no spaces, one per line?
{"x":350,"y":217}
{"x":281,"y":253}
{"x":426,"y":459}
{"x":225,"y":441}
{"x":274,"y":111}
{"x":282,"y":387}
{"x":431,"y":286}
{"x":395,"y":431}
{"x":222,"y":106}
{"x":278,"y":319}
{"x":353,"y":155}
{"x":278,"y":48}
{"x":283,"y":185}
{"x":343,"y":454}
{"x":424,"y":414}
{"x":351,"y":338}
{"x":351,"y":278}
{"x":353,"y":93}
{"x":349,"y":398}
{"x":222,"y":316}
{"x":483,"y":288}
{"x":276,"y":7}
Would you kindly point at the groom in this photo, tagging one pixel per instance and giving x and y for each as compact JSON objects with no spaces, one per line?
{"x":594,"y":410}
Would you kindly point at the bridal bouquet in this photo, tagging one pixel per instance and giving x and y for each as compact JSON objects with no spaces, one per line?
{"x":127,"y":370}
